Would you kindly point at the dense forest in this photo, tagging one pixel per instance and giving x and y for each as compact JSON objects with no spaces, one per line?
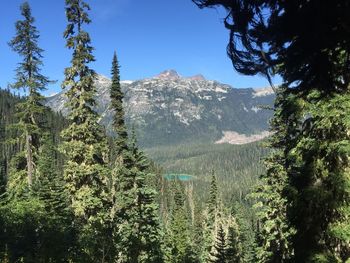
{"x":70,"y":193}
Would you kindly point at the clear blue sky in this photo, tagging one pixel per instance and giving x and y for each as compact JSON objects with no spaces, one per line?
{"x":148,"y":35}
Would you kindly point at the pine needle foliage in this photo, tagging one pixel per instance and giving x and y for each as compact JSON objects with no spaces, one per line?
{"x":29,"y":79}
{"x":85,"y":144}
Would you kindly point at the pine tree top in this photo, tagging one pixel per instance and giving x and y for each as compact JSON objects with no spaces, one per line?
{"x":25,"y":43}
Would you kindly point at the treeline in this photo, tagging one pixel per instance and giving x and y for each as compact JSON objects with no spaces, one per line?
{"x":237,"y":167}
{"x":81,"y":197}
{"x":71,"y":194}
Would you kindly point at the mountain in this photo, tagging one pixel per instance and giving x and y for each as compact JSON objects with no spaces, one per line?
{"x":170,"y":109}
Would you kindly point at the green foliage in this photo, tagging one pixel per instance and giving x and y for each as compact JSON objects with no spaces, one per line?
{"x":34,"y":227}
{"x":178,"y":233}
{"x":237,"y":166}
{"x":265,"y":38}
{"x":29,"y":78}
{"x":30,"y":234}
{"x":274,"y":233}
{"x":218,"y":255}
{"x":117,"y":96}
{"x":137,"y":233}
{"x":211,"y":218}
{"x":234,"y":248}
{"x":85,"y":145}
{"x":321,"y":179}
{"x":213,"y":200}
{"x":135,"y":212}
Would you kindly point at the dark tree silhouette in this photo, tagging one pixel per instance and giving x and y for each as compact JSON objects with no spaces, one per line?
{"x":305,"y":41}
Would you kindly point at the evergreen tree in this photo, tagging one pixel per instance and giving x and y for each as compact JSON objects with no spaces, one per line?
{"x":179,"y":243}
{"x":213,"y":199}
{"x":274,"y":237}
{"x":234,"y":253}
{"x":265,"y":38}
{"x":117,"y":96}
{"x":319,"y":181}
{"x":29,"y":78}
{"x":85,"y":143}
{"x":138,"y":236}
{"x":244,"y":220}
{"x":218,"y":253}
{"x":134,"y":205}
{"x":29,"y":230}
{"x":210,"y":223}
{"x":140,"y":159}
{"x":50,"y":185}
{"x":234,"y":249}
{"x":3,"y":159}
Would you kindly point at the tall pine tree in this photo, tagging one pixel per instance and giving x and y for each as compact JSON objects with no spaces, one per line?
{"x":85,"y":144}
{"x":275,"y":233}
{"x":117,"y":96}
{"x":135,"y":212}
{"x":29,"y":78}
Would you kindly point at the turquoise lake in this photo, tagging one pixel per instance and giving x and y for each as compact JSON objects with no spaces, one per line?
{"x":181,"y":177}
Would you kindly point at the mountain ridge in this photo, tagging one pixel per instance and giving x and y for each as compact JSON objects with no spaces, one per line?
{"x":169,"y":108}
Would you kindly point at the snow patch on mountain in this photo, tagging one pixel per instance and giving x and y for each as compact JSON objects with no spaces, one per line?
{"x":263,"y":92}
{"x":255,"y":109}
{"x":232,"y":137}
{"x":126,"y":81}
{"x":219,"y":89}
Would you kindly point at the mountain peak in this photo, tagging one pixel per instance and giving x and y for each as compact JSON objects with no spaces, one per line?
{"x":168,"y":74}
{"x":197,"y":77}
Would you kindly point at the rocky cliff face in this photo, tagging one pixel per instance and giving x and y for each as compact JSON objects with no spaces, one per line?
{"x":169,"y":108}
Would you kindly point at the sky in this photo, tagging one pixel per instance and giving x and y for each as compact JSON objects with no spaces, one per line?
{"x":149,"y":36}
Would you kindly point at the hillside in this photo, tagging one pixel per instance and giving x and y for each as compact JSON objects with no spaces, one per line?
{"x":237,"y":166}
{"x":171,"y":109}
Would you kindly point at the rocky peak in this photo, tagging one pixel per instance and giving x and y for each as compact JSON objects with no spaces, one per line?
{"x":197,"y":77}
{"x":168,"y":75}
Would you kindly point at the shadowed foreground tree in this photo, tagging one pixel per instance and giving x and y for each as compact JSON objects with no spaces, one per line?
{"x":307,"y":43}
{"x":274,"y":234}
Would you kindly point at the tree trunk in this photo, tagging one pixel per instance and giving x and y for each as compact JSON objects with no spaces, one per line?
{"x":30,"y":167}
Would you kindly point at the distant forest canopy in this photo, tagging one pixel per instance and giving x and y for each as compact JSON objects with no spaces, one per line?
{"x":70,"y":193}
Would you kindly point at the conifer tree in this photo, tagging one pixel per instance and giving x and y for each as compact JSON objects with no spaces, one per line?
{"x":3,"y":161}
{"x":137,"y":235}
{"x":29,"y":78}
{"x":213,"y":199}
{"x":275,"y":233}
{"x":117,"y":96}
{"x":234,"y":248}
{"x":265,"y":38}
{"x":84,"y":143}
{"x":218,"y":253}
{"x":138,"y":232}
{"x":50,"y":186}
{"x":140,"y":159}
{"x":319,"y":181}
{"x":211,"y":220}
{"x":178,"y":232}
